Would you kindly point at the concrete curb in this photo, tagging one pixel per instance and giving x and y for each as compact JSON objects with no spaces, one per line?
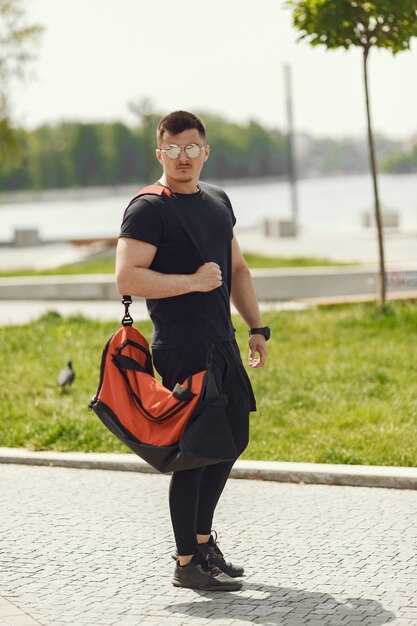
{"x":307,"y":473}
{"x":291,"y":283}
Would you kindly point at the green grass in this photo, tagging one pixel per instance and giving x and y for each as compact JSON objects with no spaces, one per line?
{"x":105,"y":265}
{"x":260,"y":261}
{"x":340,"y":386}
{"x":100,"y":265}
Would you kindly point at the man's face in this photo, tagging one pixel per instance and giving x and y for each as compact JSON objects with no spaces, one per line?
{"x":183,"y":169}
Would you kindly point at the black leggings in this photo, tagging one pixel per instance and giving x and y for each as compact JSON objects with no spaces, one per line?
{"x":194,"y":493}
{"x":193,"y":496}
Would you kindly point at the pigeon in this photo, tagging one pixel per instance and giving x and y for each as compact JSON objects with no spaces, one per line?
{"x":66,"y":376}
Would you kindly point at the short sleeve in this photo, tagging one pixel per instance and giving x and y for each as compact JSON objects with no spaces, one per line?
{"x":229,"y":205}
{"x":142,"y":221}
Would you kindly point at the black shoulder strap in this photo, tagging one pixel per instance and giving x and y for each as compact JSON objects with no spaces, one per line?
{"x":161,"y":190}
{"x":185,"y":225}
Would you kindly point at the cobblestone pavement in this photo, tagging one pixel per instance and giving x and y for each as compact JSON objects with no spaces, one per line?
{"x":91,"y":547}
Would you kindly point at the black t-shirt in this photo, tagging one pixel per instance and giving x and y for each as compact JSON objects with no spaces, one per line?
{"x":194,"y":318}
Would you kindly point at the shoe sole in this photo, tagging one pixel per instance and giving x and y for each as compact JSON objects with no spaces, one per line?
{"x":220,"y":587}
{"x":175,"y":558}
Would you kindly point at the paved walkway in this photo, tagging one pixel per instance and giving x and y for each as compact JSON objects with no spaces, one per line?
{"x":44,"y":256}
{"x":346,"y":245}
{"x":92,"y":547}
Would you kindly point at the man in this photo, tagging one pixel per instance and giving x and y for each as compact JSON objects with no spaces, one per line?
{"x":189,"y":303}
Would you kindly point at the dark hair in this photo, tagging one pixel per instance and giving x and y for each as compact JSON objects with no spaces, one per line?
{"x":178,"y":121}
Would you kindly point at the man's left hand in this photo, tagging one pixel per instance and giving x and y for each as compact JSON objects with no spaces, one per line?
{"x":257,"y":345}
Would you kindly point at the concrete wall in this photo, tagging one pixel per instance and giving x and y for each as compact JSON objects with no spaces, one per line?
{"x":286,"y":284}
{"x":81,"y":287}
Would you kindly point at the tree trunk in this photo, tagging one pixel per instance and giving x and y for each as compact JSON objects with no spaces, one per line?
{"x":378,"y":216}
{"x":148,"y":148}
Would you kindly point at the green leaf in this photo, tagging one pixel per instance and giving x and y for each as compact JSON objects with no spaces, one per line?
{"x":386,"y":24}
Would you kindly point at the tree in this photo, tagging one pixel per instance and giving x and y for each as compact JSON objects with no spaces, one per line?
{"x":388,"y":24}
{"x":16,"y":41}
{"x":144,"y":110}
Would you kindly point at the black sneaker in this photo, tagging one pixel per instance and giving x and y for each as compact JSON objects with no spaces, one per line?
{"x":201,"y":574}
{"x":211,"y":549}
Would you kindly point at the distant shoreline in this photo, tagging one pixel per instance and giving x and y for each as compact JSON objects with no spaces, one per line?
{"x":85,"y":193}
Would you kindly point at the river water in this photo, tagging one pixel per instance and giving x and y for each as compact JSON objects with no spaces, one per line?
{"x":325,"y":204}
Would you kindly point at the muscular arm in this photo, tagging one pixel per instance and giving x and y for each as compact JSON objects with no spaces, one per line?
{"x":244,"y":298}
{"x":133,"y":276}
{"x":243,"y":293}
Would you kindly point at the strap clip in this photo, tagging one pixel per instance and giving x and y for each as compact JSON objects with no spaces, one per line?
{"x":127,"y":319}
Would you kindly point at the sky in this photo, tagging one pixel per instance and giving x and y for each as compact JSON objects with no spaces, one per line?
{"x":222,"y":56}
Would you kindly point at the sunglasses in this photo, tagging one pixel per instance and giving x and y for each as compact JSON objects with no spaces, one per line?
{"x":173,"y":151}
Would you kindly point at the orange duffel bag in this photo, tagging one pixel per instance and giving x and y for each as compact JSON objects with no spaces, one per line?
{"x":171,"y":430}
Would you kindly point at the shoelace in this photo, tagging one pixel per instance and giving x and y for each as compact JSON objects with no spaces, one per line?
{"x":218,"y":552}
{"x":215,"y":544}
{"x":215,"y":547}
{"x":209,"y":566}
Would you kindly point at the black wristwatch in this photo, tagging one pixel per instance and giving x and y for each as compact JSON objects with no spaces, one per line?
{"x":265,"y":331}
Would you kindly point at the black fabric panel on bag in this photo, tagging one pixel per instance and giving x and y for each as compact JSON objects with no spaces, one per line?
{"x":230,"y":379}
{"x":162,"y":458}
{"x":208,"y":433}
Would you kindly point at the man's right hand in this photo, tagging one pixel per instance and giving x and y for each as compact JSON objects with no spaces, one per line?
{"x":207,"y":277}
